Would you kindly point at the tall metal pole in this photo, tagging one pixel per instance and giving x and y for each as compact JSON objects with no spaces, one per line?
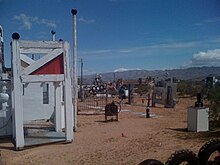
{"x":81,"y":81}
{"x":1,"y":52}
{"x":75,"y":89}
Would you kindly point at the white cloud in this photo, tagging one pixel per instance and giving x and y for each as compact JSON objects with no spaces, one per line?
{"x":126,"y":50}
{"x":96,"y":51}
{"x":208,"y":21}
{"x":88,"y":72}
{"x":28,"y":21}
{"x":25,"y":21}
{"x":174,"y":45}
{"x":125,"y":69}
{"x":213,"y":20}
{"x":86,"y":21}
{"x":43,"y":35}
{"x":121,"y":70}
{"x":110,"y":53}
{"x":208,"y":58}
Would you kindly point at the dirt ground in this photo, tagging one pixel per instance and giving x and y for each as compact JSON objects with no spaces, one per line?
{"x":131,"y":140}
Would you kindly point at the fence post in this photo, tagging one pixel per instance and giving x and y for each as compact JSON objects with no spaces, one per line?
{"x":106,"y":98}
{"x":130,"y":94}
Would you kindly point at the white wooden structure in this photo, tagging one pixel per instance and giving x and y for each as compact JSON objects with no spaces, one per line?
{"x":28,"y":75}
{"x":164,"y":93}
{"x":198,"y":119}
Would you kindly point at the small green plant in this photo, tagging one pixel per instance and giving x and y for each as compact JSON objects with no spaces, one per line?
{"x":190,"y":88}
{"x":213,"y":96}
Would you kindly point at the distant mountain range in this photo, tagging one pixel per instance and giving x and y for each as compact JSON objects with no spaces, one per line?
{"x":195,"y":73}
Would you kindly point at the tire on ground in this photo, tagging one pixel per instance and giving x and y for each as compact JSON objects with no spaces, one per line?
{"x":151,"y":162}
{"x":183,"y":156}
{"x":207,"y":150}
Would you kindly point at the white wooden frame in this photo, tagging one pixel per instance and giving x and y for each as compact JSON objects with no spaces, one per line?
{"x":53,"y":49}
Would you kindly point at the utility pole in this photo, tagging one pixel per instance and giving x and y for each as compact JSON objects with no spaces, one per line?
{"x":81,"y":81}
{"x":1,"y":52}
{"x":75,"y":84}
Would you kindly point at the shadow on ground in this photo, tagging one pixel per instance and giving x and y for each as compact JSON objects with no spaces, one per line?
{"x":182,"y":133}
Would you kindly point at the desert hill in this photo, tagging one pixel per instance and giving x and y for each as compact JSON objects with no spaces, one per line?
{"x":195,"y":73}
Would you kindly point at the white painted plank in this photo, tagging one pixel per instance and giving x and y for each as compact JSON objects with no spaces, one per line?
{"x":36,"y":50}
{"x":41,"y":44}
{"x":42,"y":61}
{"x":68,"y":96}
{"x":26,"y":59}
{"x":58,"y":99}
{"x":42,"y":78}
{"x":17,"y":103}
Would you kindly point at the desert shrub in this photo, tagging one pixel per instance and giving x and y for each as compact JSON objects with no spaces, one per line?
{"x":142,"y":89}
{"x":189,"y":87}
{"x":213,"y":96}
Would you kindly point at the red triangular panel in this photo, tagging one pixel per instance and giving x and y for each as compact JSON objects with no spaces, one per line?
{"x":55,"y":66}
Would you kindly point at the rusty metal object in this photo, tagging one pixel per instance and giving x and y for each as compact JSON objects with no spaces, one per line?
{"x":112,"y":110}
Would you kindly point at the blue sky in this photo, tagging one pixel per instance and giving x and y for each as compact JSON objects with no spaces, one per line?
{"x":116,"y":35}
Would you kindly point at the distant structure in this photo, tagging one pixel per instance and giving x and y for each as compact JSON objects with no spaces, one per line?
{"x":211,"y":81}
{"x":164,"y":92}
{"x":98,"y":85}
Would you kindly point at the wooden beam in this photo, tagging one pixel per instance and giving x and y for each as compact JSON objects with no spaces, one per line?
{"x":41,"y":44}
{"x":69,"y":115}
{"x":26,"y":59}
{"x":17,"y":102}
{"x":58,"y":100}
{"x":35,"y":50}
{"x":42,"y":78}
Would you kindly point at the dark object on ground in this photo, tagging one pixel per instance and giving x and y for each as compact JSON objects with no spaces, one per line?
{"x":199,"y":102}
{"x":151,"y":162}
{"x":181,"y":156}
{"x":207,"y":150}
{"x":112,"y":110}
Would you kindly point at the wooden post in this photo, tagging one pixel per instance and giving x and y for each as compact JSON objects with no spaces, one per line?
{"x":58,"y":100}
{"x":106,"y":96}
{"x":153,"y":99}
{"x":17,"y":103}
{"x":148,"y":100}
{"x":130,"y":94}
{"x":70,"y":118}
{"x":75,"y":89}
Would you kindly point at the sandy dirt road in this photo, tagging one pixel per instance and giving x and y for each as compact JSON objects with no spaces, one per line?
{"x":101,"y":143}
